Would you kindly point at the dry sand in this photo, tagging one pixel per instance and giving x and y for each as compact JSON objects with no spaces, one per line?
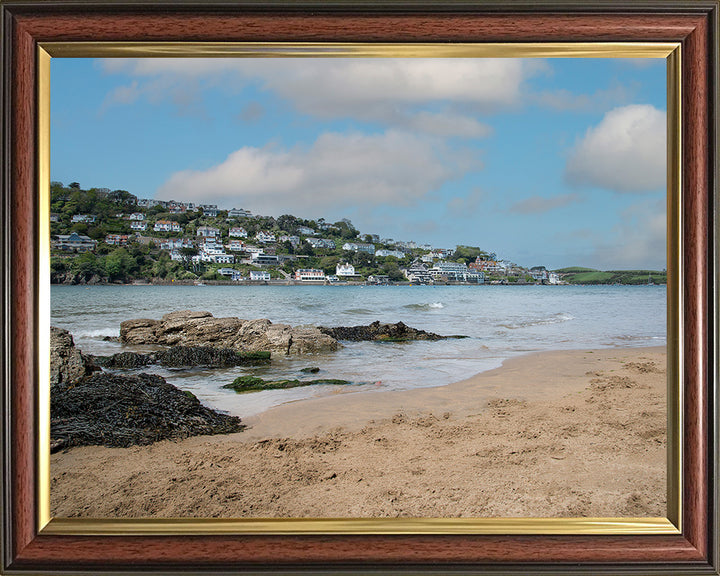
{"x":578,"y":433}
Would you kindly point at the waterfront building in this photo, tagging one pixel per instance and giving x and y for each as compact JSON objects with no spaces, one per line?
{"x":347,"y":270}
{"x":257,"y":276}
{"x":379,"y":279}
{"x":227,"y":271}
{"x":453,"y":271}
{"x":309,"y":275}
{"x":418,"y":273}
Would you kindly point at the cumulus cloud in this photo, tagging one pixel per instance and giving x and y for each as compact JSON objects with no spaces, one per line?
{"x":541,"y":204}
{"x":336,"y":171}
{"x":389,"y":91}
{"x":626,"y":152}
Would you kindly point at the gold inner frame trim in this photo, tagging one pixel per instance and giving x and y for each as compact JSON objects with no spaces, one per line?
{"x":424,"y":526}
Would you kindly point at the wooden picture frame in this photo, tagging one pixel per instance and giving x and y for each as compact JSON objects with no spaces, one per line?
{"x":28,"y":547}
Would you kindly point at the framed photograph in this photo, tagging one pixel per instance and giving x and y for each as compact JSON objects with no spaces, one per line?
{"x":369,"y":287}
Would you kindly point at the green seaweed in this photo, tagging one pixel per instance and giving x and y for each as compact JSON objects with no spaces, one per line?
{"x":252,"y":383}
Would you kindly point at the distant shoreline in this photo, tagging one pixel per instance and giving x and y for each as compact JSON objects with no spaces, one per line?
{"x":278,"y":282}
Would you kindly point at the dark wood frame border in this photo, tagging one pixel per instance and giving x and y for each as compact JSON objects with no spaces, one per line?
{"x":24,"y":24}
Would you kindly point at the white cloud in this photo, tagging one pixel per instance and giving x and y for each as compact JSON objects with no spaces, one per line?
{"x":626,"y":152}
{"x":339,"y":171}
{"x":541,"y":204}
{"x":389,"y":91}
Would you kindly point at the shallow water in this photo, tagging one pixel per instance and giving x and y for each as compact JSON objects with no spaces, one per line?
{"x":500,"y":322}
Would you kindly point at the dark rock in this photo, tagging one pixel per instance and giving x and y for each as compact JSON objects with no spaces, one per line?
{"x":67,"y":363}
{"x":113,"y":410}
{"x":310,"y":370}
{"x":398,"y":332}
{"x":184,"y":357}
{"x":252,"y":384}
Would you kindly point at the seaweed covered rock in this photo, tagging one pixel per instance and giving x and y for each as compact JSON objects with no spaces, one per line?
{"x":398,"y":332}
{"x":184,"y":357}
{"x":192,"y":328}
{"x":67,"y":363}
{"x":120,"y":411}
{"x":252,"y":383}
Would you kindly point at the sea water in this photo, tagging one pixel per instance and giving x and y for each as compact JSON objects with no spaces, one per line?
{"x":499,"y":322}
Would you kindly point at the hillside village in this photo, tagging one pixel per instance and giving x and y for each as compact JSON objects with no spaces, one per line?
{"x":99,"y":236}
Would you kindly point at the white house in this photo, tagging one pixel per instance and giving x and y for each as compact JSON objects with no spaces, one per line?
{"x":259,"y":276}
{"x":418,"y":273}
{"x":455,"y":271}
{"x":227,"y":271}
{"x":139,"y":226}
{"x":309,"y":275}
{"x":238,"y":232}
{"x":359,"y":247}
{"x":166,"y":226}
{"x":207,"y":231}
{"x":321,"y":242}
{"x":239,"y":213}
{"x":83,"y":218}
{"x":305,"y":231}
{"x":294,"y":240}
{"x":137,"y":216}
{"x":265,"y":237}
{"x":383,"y":253}
{"x":344,"y":270}
{"x":236,"y":245}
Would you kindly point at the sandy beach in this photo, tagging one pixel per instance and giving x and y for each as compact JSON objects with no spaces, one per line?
{"x":564,"y":434}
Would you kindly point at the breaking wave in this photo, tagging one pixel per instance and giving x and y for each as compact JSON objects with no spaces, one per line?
{"x":554,"y":319}
{"x":428,"y":306}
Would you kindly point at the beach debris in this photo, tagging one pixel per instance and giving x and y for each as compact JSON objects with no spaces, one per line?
{"x":253,"y":383}
{"x":197,"y":328}
{"x":120,"y":411}
{"x":184,"y":357}
{"x":397,"y":332}
{"x":67,"y":363}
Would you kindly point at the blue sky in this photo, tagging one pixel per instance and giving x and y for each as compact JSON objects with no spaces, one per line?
{"x":554,"y":162}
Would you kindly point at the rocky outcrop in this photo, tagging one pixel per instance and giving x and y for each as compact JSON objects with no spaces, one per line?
{"x":188,"y":328}
{"x":398,"y":332}
{"x":67,"y":363}
{"x":184,"y":357}
{"x":113,"y":410}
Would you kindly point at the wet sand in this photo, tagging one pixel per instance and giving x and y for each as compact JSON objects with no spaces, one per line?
{"x":554,"y":434}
